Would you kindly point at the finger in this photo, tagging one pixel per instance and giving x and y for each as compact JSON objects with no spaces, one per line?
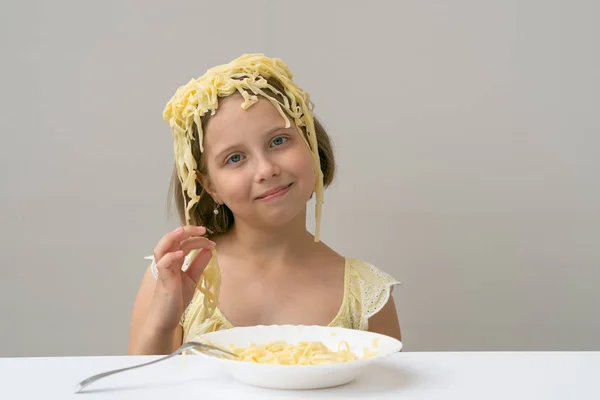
{"x":171,"y":241}
{"x":194,"y":230}
{"x":170,"y":263}
{"x":199,"y":264}
{"x":196,"y":242}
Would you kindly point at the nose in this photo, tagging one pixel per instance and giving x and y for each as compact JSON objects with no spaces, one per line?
{"x":266,"y":168}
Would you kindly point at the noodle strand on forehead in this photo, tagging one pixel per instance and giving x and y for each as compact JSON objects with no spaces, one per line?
{"x":247,"y":75}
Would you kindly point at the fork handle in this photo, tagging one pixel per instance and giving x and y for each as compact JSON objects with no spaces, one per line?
{"x":81,"y":385}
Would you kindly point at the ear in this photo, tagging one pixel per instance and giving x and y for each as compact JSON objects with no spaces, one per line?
{"x":207,"y":184}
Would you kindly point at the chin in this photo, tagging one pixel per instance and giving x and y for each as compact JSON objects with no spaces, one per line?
{"x":277,"y":219}
{"x":281,"y":215}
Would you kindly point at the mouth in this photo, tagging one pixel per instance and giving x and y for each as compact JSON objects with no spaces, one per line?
{"x":274,"y":193}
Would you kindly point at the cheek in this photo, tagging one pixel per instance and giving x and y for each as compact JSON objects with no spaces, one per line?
{"x":233,"y":187}
{"x":303,"y":167}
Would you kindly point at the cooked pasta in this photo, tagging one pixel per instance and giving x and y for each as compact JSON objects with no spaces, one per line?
{"x":303,"y":353}
{"x":209,"y":282}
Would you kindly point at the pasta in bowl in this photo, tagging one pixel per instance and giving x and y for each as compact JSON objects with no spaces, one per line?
{"x":298,"y":357}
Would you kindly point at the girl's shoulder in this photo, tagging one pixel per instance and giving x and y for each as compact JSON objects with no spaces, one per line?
{"x":368,"y":273}
{"x":370,"y":286}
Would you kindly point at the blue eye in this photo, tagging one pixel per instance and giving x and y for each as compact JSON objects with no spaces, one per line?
{"x":278,"y":141}
{"x":234,"y":159}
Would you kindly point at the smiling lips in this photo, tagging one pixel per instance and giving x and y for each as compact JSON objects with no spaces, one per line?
{"x":274,"y":193}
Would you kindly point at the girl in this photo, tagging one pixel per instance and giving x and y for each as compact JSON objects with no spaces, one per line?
{"x":242,"y":179}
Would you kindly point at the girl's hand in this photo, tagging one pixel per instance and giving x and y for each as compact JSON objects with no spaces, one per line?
{"x":174,"y":287}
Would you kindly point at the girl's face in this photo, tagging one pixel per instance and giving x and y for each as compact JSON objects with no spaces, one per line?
{"x":261,"y":170}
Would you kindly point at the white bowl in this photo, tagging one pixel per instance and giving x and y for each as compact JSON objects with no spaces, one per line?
{"x":299,"y":376}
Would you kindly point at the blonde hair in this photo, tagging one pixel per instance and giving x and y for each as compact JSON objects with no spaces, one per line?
{"x":192,"y":106}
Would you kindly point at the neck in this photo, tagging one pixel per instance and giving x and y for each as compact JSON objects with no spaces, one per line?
{"x":274,"y":244}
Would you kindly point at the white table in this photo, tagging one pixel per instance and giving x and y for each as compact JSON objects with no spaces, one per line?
{"x":477,"y":375}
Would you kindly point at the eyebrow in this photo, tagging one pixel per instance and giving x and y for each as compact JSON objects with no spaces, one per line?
{"x":267,"y":133}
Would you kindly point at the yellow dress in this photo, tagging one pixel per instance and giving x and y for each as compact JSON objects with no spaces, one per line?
{"x":366,"y":290}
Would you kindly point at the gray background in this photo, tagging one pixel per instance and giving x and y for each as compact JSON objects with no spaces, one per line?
{"x":467,"y":137}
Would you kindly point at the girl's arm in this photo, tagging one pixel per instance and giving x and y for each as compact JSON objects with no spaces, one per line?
{"x":160,"y":302}
{"x":386,"y":321}
{"x":144,"y":336}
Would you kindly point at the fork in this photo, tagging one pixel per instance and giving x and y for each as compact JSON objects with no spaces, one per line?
{"x":186,"y":346}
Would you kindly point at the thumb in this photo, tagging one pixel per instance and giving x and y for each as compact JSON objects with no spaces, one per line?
{"x":198,"y":265}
